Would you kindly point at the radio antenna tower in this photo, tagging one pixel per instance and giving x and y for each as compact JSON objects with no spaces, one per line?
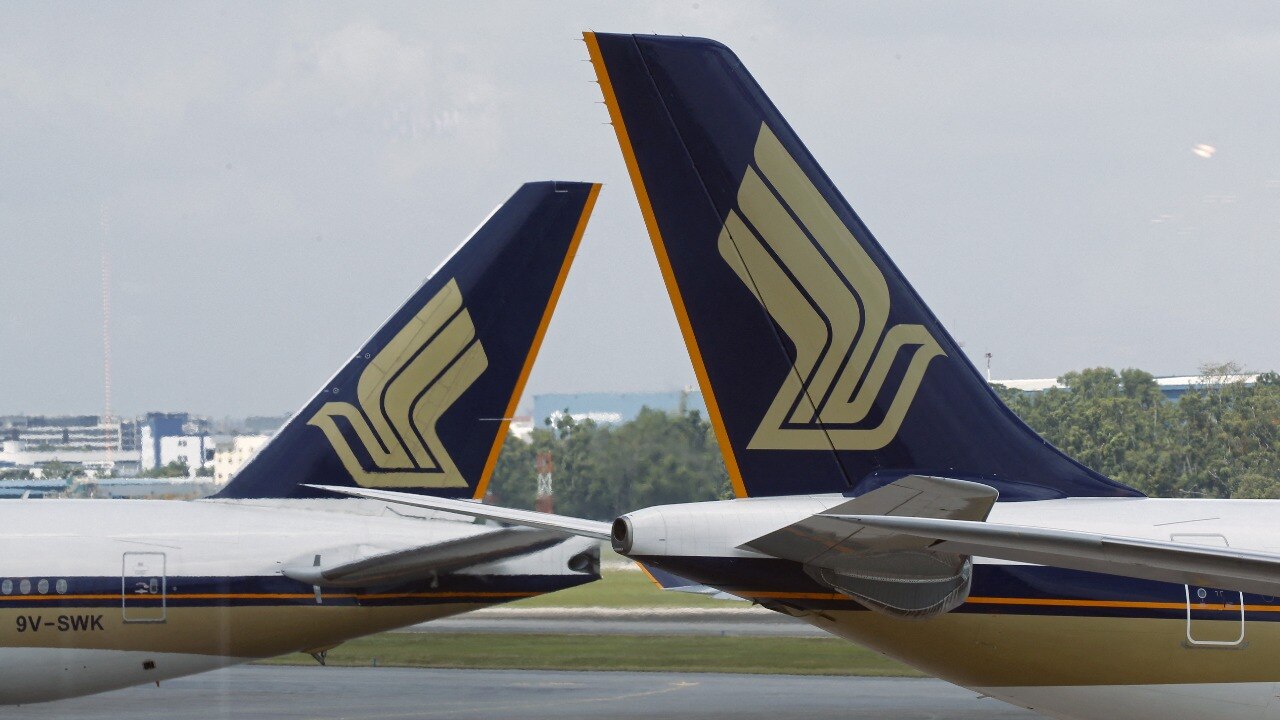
{"x":545,"y":499}
{"x":107,"y":438}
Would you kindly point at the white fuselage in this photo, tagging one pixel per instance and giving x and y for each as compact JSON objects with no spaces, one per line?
{"x":1066,"y":643}
{"x":100,"y":594}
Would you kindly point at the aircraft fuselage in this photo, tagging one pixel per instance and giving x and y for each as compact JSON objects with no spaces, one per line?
{"x":101,"y":594}
{"x":1068,"y":643}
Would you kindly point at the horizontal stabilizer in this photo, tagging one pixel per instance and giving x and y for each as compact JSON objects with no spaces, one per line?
{"x":675,"y":583}
{"x":528,"y":518}
{"x":825,"y":539}
{"x":361,"y":566}
{"x":893,"y":573}
{"x":1212,"y":566}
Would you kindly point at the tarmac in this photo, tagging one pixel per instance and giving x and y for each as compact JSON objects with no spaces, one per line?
{"x":745,"y":621}
{"x":322,"y":693}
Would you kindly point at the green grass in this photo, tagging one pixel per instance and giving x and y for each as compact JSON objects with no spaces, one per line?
{"x":618,"y":589}
{"x":801,"y":656}
{"x":623,"y":589}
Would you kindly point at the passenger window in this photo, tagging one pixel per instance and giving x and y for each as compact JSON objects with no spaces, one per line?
{"x":6,"y":587}
{"x":62,"y":587}
{"x":24,"y":587}
{"x":43,"y":587}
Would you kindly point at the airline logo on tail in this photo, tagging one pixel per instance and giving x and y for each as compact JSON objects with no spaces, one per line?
{"x":792,"y":251}
{"x":402,"y":393}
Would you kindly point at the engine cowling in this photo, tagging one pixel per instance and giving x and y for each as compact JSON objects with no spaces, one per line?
{"x":913,"y":584}
{"x":904,"y":582}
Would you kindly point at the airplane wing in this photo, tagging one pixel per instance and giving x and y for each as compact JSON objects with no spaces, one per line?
{"x":888,"y":533}
{"x":363,"y":565}
{"x":545,"y":521}
{"x":555,"y":526}
{"x":1211,"y":566}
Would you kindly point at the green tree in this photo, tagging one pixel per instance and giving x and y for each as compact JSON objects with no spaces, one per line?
{"x":603,"y":471}
{"x":57,"y":470}
{"x":1218,"y":440}
{"x":1256,"y":486}
{"x":1221,"y":439}
{"x":514,"y":482}
{"x":175,"y":468}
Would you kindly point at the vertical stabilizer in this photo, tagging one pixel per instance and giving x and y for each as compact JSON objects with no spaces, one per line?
{"x":822,"y":369}
{"x":424,"y":405}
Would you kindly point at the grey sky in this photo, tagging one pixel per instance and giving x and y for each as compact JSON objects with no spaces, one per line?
{"x":271,"y":180}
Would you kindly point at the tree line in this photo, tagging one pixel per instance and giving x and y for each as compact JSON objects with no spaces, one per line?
{"x":1221,"y":439}
{"x":602,"y":471}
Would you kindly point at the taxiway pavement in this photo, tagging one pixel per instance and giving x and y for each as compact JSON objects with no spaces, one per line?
{"x":319,"y":693}
{"x":744,"y":621}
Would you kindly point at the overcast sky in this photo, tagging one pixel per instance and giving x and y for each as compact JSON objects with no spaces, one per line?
{"x":270,"y":180}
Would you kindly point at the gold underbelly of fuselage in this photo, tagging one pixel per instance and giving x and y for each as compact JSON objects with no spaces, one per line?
{"x":1008,"y":650}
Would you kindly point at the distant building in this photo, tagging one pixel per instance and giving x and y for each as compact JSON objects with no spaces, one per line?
{"x":120,"y":447}
{"x":232,"y":454}
{"x":264,"y":424}
{"x":147,"y":488}
{"x":84,"y":440}
{"x":194,"y":451}
{"x":175,"y":437}
{"x":521,"y":427}
{"x":613,"y":408}
{"x":15,"y":489}
{"x":156,"y":426}
{"x":115,"y":467}
{"x":1172,"y":387}
{"x":130,"y":439}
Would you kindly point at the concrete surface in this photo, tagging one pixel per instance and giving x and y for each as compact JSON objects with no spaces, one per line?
{"x":318,"y":693}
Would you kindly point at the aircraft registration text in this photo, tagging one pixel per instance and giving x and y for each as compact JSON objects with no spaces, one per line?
{"x":62,"y":623}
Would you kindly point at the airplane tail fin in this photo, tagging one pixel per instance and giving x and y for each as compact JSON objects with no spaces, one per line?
{"x":822,"y":369}
{"x":424,"y":405}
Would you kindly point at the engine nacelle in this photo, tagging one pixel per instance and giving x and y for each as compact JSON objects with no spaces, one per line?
{"x":914,"y":584}
{"x":715,"y":528}
{"x":903,"y":582}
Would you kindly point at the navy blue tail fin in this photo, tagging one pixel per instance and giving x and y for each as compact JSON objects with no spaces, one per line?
{"x":822,"y":369}
{"x":424,"y":405}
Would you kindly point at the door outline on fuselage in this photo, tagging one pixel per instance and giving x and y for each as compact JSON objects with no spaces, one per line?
{"x":143,"y":575}
{"x":1215,"y":540}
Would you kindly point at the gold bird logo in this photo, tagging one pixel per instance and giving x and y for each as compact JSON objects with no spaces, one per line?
{"x":790,"y":248}
{"x":401,"y":395}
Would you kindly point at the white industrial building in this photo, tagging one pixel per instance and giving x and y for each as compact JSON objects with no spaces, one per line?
{"x":232,"y":454}
{"x":101,"y":448}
